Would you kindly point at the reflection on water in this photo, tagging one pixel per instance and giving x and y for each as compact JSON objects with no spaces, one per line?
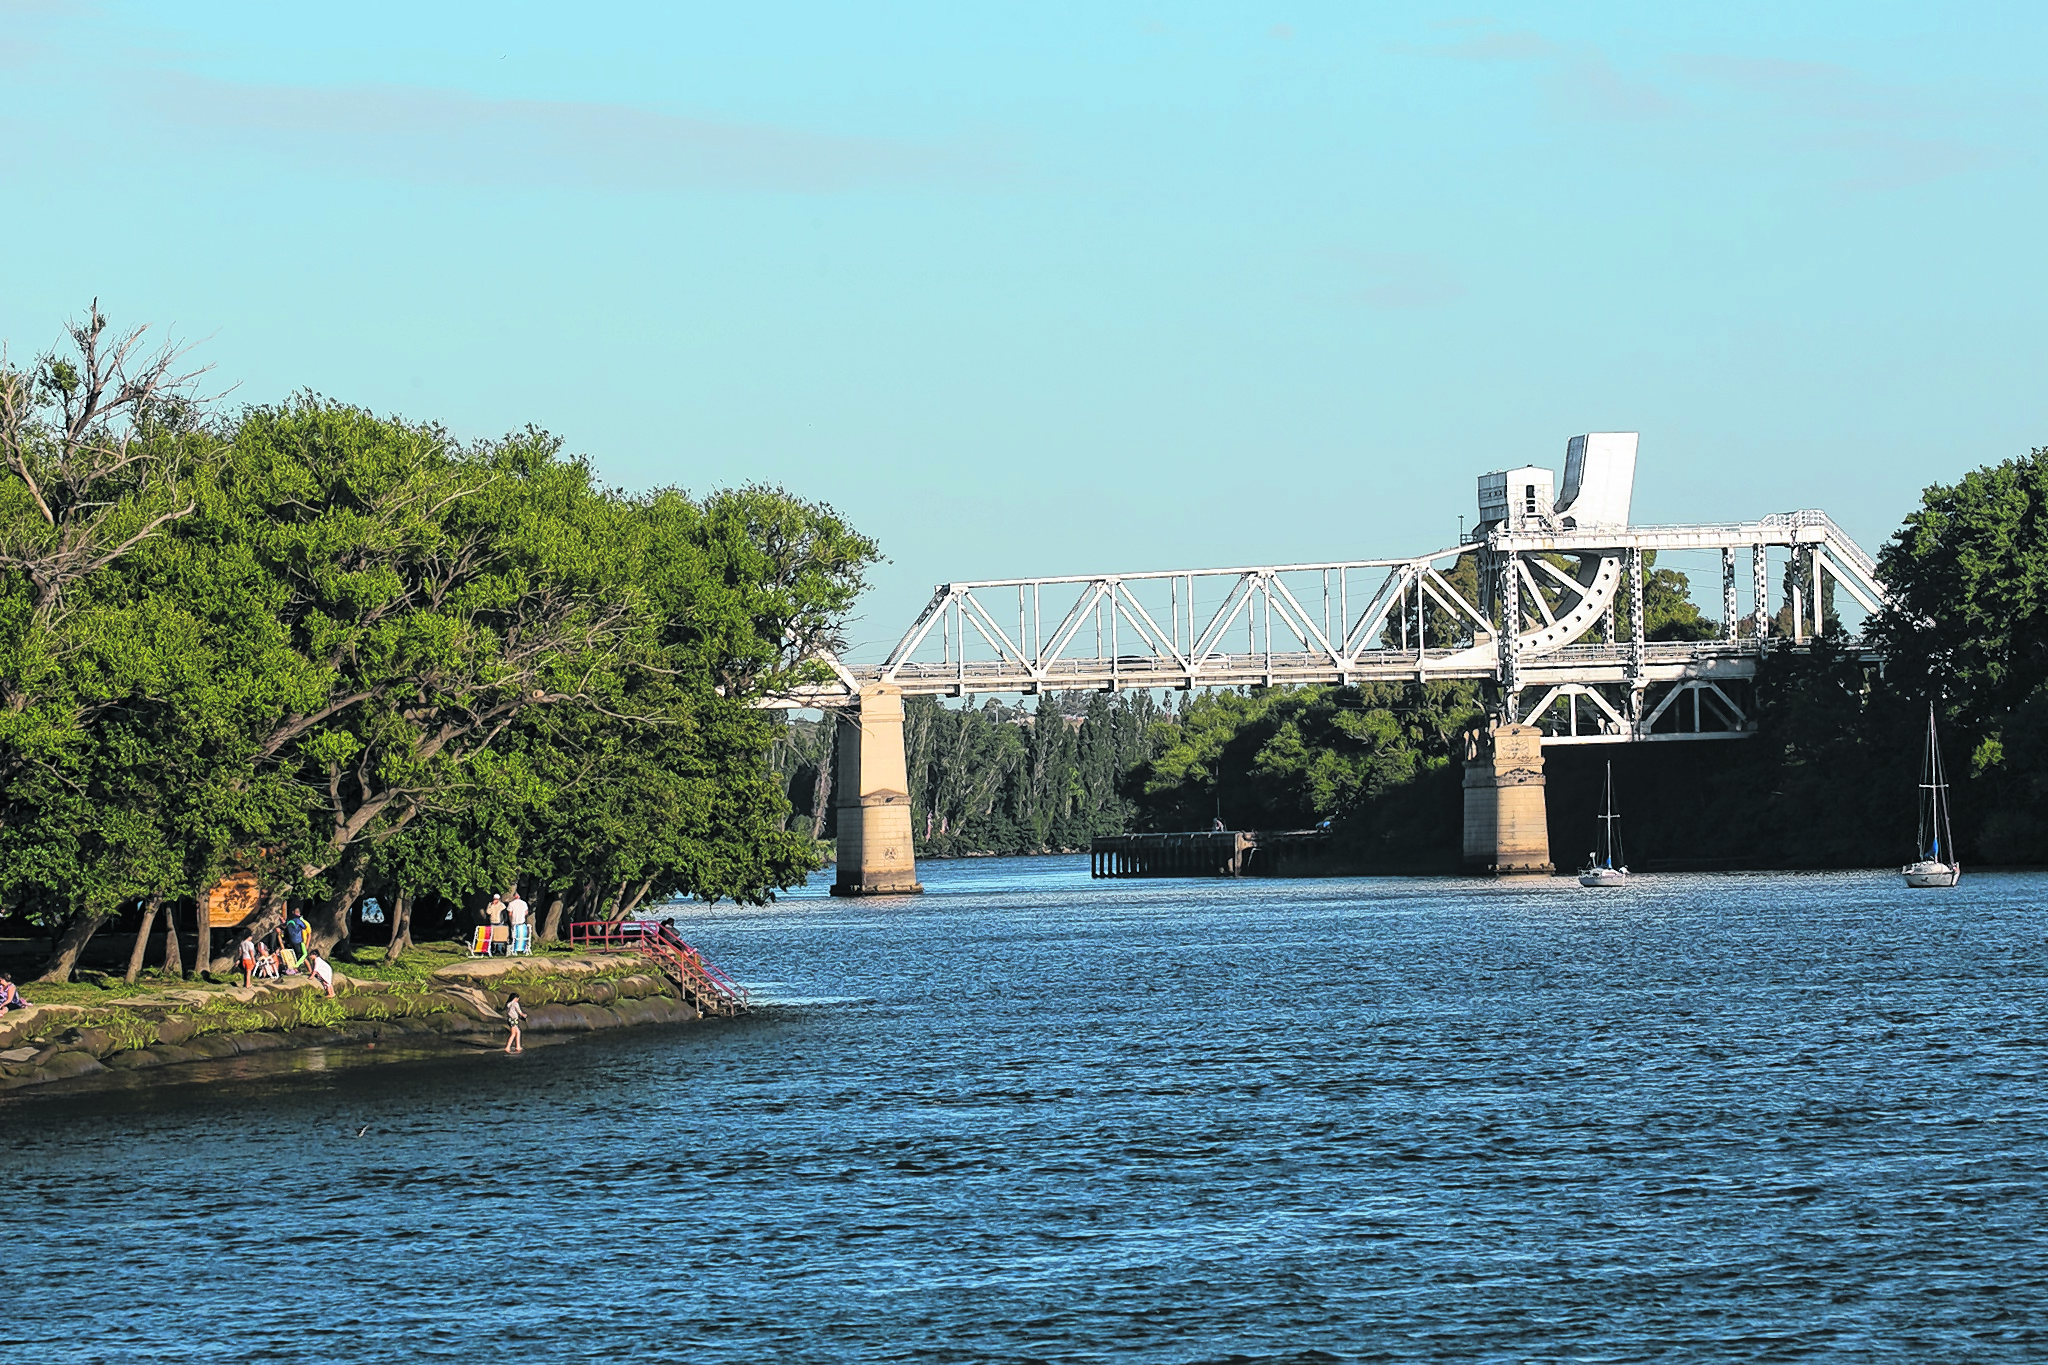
{"x":1030,"y":1116}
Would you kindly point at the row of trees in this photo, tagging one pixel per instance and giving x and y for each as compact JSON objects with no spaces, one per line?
{"x":996,"y":778}
{"x":352,"y":653}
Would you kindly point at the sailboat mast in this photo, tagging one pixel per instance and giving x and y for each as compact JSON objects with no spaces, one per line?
{"x":1948,"y":843}
{"x":1926,"y":780}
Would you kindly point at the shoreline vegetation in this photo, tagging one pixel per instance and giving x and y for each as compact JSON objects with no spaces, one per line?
{"x":343,"y":658}
{"x":437,"y":997}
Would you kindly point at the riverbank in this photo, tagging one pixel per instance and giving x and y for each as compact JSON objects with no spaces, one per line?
{"x":454,"y":1002}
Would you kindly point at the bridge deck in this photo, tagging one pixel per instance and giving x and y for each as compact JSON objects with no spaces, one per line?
{"x":1662,"y":662}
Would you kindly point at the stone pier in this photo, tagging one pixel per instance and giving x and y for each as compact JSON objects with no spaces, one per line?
{"x":1507,"y":830}
{"x":874,"y":799}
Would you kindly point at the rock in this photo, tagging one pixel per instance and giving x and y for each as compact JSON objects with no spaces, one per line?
{"x":18,"y":1054}
{"x":556,"y":1019}
{"x":97,"y":1041}
{"x":473,"y":1003}
{"x":70,"y":1065}
{"x":176,"y":1030}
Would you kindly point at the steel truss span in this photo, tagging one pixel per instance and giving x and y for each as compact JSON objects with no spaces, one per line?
{"x":1430,"y":618}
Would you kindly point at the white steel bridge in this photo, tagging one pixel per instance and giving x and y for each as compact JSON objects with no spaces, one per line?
{"x":1565,"y":567}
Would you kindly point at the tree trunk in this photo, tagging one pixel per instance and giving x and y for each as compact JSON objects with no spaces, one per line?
{"x":615,"y":899}
{"x":174,"y":951}
{"x":330,"y":921}
{"x":639,"y":894}
{"x":551,"y":923}
{"x":149,"y":910}
{"x":64,"y":956}
{"x":202,"y":950}
{"x":821,"y":790}
{"x":401,"y":926}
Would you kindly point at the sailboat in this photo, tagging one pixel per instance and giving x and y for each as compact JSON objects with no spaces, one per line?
{"x":1936,"y":842}
{"x":1605,"y":867}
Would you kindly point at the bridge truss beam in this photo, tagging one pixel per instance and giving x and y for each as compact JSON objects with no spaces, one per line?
{"x":1428,"y":618}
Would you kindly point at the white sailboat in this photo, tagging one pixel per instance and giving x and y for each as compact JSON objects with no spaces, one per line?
{"x":1936,"y":842}
{"x":1605,"y":866}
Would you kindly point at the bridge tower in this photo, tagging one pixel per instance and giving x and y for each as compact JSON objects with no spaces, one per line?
{"x":875,"y":857}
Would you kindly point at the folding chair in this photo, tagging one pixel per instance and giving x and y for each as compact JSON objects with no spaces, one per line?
{"x":522,"y":938}
{"x":501,"y":939}
{"x":480,"y":946}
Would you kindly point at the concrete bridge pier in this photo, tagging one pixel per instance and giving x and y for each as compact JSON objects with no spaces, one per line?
{"x":875,"y":856}
{"x":1507,"y":828}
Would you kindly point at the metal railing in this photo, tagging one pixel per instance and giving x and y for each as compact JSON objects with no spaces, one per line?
{"x":711,"y":990}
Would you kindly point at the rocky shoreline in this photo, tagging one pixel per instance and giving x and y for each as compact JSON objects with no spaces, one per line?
{"x":461,"y":1001}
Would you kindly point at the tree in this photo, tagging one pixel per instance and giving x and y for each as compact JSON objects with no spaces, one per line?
{"x":1967,"y":630}
{"x":336,"y":648}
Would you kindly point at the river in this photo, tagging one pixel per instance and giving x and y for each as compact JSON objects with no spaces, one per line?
{"x":1032,"y":1117}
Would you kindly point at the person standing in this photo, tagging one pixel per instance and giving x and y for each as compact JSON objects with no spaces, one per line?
{"x":516,"y":911}
{"x":514,"y":1014}
{"x":296,"y":931}
{"x":248,"y":955}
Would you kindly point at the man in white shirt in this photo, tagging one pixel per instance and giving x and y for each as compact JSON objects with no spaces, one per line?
{"x":515,"y":915}
{"x":323,"y":975}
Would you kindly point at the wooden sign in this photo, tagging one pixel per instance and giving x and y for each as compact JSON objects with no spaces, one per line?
{"x":233,"y":901}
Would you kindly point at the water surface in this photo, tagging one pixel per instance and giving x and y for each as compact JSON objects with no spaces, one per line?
{"x":1031,"y":1117}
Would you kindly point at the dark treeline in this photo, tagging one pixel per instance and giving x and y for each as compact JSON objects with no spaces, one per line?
{"x":355,"y":657}
{"x":995,"y":778}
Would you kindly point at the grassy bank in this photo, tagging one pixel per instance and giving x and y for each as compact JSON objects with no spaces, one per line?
{"x":87,"y":1026}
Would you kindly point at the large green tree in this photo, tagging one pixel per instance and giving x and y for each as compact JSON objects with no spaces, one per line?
{"x":1967,"y":632}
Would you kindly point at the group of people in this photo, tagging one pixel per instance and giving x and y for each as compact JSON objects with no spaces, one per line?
{"x":284,"y":952}
{"x":501,"y":911}
{"x":506,"y":920}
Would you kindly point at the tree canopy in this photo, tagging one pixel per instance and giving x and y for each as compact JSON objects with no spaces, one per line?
{"x":352,"y":651}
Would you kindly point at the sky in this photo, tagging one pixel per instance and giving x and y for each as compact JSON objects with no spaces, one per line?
{"x":1072,"y":288}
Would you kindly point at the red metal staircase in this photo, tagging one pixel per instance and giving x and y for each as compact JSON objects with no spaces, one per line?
{"x":700,"y":982}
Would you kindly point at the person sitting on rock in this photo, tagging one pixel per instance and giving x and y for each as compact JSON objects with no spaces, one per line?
{"x":10,"y":995}
{"x":323,"y":973}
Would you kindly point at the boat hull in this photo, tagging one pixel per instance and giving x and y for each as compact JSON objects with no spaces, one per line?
{"x":1931,"y":874}
{"x":1604,"y":876}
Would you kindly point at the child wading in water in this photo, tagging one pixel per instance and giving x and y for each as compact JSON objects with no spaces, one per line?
{"x":514,"y":1012}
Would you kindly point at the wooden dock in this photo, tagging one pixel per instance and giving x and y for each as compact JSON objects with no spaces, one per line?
{"x":1208,"y":853}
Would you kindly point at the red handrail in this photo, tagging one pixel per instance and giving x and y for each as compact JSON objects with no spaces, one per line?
{"x":660,"y":941}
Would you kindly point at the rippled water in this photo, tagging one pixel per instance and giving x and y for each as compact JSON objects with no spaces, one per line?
{"x":1030,"y":1117}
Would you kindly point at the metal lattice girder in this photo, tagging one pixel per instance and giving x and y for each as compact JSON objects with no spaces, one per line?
{"x":1395,"y":620}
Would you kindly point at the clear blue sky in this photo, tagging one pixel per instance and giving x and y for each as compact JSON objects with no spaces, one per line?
{"x":1062,"y":288}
